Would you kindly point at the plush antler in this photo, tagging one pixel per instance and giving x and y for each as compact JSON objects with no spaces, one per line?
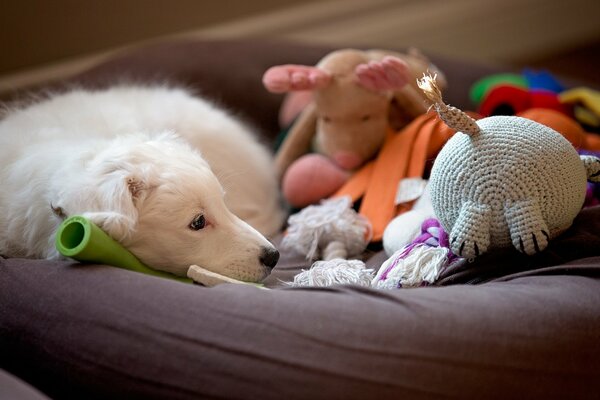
{"x":391,"y":73}
{"x":290,"y":77}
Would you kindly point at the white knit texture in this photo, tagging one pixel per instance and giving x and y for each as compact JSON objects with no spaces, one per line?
{"x":515,"y":182}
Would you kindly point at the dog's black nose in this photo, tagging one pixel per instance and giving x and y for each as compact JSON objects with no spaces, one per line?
{"x":269,"y":256}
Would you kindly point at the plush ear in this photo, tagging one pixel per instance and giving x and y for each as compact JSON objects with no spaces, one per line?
{"x":290,"y":78}
{"x":118,"y":197}
{"x":298,"y":140}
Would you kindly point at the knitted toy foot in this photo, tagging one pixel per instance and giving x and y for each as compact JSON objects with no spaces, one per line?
{"x":528,"y":230}
{"x":470,"y":236}
{"x":285,"y":78}
{"x":390,"y":73}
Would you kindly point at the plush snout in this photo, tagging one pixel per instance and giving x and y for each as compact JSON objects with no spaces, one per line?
{"x":347,"y":160}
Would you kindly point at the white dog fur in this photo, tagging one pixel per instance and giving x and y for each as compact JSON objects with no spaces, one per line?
{"x":142,"y":163}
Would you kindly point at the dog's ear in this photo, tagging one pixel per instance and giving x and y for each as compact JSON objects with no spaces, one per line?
{"x":119,"y":198}
{"x":137,"y":188}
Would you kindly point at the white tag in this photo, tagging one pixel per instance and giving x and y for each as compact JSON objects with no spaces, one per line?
{"x":410,"y":189}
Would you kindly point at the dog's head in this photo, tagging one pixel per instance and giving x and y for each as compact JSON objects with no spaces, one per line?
{"x":160,"y":199}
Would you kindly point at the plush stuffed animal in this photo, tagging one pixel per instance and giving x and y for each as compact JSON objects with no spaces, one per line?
{"x":504,"y":180}
{"x":357,"y":97}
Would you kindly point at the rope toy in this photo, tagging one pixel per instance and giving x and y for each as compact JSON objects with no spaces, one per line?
{"x":335,"y":272}
{"x":504,"y":181}
{"x":420,"y":262}
{"x":417,"y":264}
{"x":332,"y":231}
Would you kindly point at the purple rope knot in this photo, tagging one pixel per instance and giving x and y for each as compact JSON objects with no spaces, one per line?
{"x":432,"y":235}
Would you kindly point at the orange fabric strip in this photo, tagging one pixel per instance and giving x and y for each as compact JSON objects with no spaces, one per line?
{"x":390,"y":167}
{"x":404,"y":154}
{"x":356,"y":186}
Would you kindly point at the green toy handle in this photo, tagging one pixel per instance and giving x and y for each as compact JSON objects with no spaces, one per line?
{"x":82,"y":240}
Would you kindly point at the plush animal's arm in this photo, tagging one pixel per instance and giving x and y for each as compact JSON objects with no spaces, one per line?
{"x":298,"y":140}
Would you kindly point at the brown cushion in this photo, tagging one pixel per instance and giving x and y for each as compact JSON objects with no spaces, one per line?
{"x":15,"y":389}
{"x":100,"y":332}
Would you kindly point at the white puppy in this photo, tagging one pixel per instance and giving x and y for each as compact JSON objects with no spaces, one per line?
{"x":173,"y":178}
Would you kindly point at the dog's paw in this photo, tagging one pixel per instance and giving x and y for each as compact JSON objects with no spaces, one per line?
{"x":116,"y":225}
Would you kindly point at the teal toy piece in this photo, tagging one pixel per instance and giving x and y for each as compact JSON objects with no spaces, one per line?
{"x":82,"y":240}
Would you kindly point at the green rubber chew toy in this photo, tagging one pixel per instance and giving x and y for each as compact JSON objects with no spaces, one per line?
{"x":82,"y":240}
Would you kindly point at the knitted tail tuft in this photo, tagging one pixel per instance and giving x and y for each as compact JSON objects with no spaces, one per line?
{"x":452,"y":116}
{"x":431,"y":90}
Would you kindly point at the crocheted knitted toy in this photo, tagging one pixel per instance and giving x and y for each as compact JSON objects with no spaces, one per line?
{"x":357,"y":96}
{"x":504,"y":180}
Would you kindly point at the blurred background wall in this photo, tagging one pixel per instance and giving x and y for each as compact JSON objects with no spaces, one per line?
{"x":37,"y":32}
{"x":51,"y":37}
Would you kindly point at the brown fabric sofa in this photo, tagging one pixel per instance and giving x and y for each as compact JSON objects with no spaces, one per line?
{"x":505,"y":326}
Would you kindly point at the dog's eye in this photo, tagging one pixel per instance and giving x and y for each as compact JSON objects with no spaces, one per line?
{"x":365,"y":118}
{"x":198,"y":223}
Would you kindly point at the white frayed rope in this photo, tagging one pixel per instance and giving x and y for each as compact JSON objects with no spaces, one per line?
{"x":335,"y":272}
{"x":421,"y":266}
{"x":332,"y":227}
